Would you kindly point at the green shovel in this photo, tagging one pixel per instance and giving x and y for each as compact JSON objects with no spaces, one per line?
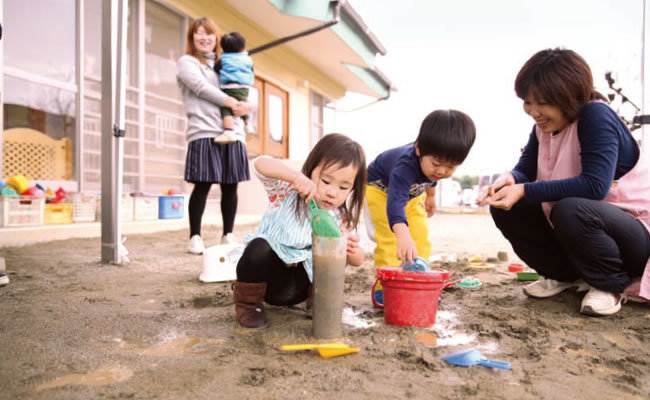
{"x":322,"y":223}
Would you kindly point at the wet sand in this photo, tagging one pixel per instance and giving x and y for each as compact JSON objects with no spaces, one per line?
{"x":72,"y":328}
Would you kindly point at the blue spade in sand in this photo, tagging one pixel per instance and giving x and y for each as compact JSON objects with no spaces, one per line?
{"x":465,"y":358}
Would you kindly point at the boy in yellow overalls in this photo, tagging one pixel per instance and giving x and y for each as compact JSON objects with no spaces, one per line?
{"x":401,"y":185}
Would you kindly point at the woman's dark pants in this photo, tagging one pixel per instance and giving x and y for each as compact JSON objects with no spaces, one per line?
{"x":590,"y":239}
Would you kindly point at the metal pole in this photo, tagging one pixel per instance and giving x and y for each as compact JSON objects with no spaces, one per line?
{"x":645,"y":131}
{"x":114,"y":14}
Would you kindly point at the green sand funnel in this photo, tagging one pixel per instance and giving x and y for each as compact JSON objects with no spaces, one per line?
{"x":322,"y":223}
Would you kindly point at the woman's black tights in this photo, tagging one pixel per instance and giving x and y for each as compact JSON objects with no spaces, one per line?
{"x":197,"y":202}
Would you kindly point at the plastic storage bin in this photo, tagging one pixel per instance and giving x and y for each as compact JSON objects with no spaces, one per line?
{"x":145,"y":208}
{"x":21,"y":211}
{"x":60,"y":213}
{"x":126,"y":208}
{"x":170,"y":207}
{"x":85,"y":205}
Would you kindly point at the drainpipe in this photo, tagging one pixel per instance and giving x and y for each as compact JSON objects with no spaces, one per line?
{"x":277,"y":42}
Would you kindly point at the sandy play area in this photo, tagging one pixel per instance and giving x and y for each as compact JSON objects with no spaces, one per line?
{"x":72,"y":328}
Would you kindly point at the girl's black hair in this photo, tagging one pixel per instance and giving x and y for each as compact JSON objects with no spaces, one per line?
{"x":337,"y":149}
{"x":447,"y":135}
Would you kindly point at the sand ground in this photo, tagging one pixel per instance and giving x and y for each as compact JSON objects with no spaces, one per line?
{"x":72,"y":328}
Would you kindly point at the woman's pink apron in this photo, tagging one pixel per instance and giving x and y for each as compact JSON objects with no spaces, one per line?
{"x":559,"y":158}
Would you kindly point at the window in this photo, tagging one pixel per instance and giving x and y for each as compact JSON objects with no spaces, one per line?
{"x":39,"y":85}
{"x":270,"y":120}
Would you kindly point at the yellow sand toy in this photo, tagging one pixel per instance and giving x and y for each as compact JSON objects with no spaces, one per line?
{"x":326,"y":350}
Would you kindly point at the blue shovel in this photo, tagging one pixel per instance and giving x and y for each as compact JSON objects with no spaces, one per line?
{"x":465,"y":358}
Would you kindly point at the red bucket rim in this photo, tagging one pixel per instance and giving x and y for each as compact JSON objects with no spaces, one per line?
{"x":397,"y":273}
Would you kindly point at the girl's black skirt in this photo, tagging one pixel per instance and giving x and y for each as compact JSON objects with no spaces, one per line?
{"x":208,"y":161}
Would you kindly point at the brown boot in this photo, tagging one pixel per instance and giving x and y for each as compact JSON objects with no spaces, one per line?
{"x":249,"y":304}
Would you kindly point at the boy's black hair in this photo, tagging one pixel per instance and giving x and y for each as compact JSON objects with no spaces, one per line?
{"x":233,"y":42}
{"x":447,"y":134}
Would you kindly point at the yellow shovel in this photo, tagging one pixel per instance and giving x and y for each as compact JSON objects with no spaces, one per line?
{"x":326,"y":350}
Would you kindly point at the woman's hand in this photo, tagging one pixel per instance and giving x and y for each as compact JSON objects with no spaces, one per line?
{"x":505,"y":179}
{"x":231,"y":103}
{"x":354,"y":252}
{"x":242,"y":108}
{"x":304,"y":186}
{"x":406,"y":249}
{"x":507,"y":196}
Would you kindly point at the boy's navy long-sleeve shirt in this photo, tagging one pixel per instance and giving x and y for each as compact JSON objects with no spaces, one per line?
{"x":607,"y":152}
{"x":397,"y":171}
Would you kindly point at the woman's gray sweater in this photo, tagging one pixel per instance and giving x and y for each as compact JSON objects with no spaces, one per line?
{"x":199,"y":85}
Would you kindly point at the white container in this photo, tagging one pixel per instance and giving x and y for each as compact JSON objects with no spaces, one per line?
{"x":220,"y":262}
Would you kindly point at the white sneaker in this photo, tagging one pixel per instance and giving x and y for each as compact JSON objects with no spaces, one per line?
{"x":597,"y":303}
{"x":4,"y":280}
{"x":545,"y":287}
{"x":196,"y":245}
{"x":228,"y":136}
{"x":229,"y":238}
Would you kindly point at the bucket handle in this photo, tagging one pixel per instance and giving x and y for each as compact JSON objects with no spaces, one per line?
{"x":374,"y":302}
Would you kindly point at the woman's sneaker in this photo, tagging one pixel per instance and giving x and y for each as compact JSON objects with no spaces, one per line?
{"x":598,"y":303}
{"x":196,"y":245}
{"x":545,"y":287}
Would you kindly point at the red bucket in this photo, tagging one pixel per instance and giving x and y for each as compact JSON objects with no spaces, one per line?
{"x":411,"y":298}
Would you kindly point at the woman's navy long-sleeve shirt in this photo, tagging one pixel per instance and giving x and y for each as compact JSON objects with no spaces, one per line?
{"x":607,"y":152}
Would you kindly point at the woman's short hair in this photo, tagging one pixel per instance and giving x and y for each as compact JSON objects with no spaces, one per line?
{"x":210,"y":28}
{"x":560,"y":77}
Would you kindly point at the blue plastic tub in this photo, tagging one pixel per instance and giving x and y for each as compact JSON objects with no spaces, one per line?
{"x":170,"y":207}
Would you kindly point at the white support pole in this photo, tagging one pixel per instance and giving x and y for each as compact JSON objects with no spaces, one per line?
{"x":114,"y":23}
{"x":645,"y":71}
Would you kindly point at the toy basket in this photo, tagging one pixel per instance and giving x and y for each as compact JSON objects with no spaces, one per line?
{"x":60,"y":213}
{"x":84,"y":208}
{"x":126,"y":208}
{"x":170,"y":207}
{"x":145,"y":208}
{"x":21,"y":211}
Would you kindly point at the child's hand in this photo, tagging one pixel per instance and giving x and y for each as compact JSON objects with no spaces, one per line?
{"x":354,"y":251}
{"x":430,"y":205}
{"x":304,"y":186}
{"x":406,"y":249}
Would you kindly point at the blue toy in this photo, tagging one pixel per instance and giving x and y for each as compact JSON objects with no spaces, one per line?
{"x":419,"y":265}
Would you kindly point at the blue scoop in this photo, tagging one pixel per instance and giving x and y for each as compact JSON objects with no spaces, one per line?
{"x":465,"y":358}
{"x":419,"y":265}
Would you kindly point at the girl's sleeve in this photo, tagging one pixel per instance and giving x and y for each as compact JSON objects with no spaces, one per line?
{"x":276,"y":189}
{"x":599,"y":142}
{"x":189,"y":74}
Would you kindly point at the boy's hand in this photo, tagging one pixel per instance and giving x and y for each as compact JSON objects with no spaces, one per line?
{"x":430,"y":205}
{"x":507,"y":196}
{"x":505,"y":179}
{"x":304,"y":186}
{"x":406,"y":249}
